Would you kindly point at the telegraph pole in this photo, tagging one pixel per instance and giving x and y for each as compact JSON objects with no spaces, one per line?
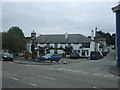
{"x":95,"y":49}
{"x":33,"y":38}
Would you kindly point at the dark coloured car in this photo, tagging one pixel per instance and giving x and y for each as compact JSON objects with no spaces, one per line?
{"x":7,"y":56}
{"x":51,"y":57}
{"x":95,"y":55}
{"x":104,"y":53}
{"x":74,"y":55}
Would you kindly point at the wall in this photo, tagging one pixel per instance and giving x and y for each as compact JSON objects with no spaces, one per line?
{"x":0,"y":41}
{"x":29,"y":48}
{"x":76,"y":46}
{"x":118,"y":36}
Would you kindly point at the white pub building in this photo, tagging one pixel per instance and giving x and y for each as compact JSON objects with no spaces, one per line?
{"x":67,"y":43}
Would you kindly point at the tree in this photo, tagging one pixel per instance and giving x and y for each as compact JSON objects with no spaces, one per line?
{"x":110,"y":39}
{"x":113,"y":39}
{"x":100,"y":34}
{"x":14,"y":40}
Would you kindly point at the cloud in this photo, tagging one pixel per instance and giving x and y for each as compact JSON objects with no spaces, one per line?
{"x":46,"y":18}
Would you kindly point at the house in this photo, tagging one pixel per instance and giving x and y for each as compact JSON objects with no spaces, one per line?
{"x":65,"y":44}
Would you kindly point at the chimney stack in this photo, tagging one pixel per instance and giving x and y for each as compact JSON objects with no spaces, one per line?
{"x":92,"y":34}
{"x":66,"y":35}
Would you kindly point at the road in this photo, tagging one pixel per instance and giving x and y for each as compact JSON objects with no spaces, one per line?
{"x":83,"y":74}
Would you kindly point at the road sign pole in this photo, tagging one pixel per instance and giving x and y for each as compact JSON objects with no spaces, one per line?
{"x":33,"y":37}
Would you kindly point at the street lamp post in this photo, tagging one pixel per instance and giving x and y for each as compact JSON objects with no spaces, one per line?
{"x":33,"y":38}
{"x":116,"y":9}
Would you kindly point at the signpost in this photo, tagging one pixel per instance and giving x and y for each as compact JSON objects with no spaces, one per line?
{"x":33,"y":38}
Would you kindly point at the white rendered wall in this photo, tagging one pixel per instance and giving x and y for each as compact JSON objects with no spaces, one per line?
{"x":52,"y":44}
{"x":59,"y":45}
{"x":63,"y":45}
{"x":92,"y":46}
{"x":76,"y":46}
{"x":29,"y":48}
{"x":52,"y":51}
{"x":42,"y":45}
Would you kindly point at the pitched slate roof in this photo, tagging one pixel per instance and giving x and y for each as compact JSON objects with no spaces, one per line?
{"x":60,"y":38}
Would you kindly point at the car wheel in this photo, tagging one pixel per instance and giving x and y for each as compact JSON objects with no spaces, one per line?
{"x":11,"y":60}
{"x":4,"y":59}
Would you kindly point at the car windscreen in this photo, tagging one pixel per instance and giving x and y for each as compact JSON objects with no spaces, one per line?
{"x":48,"y":55}
{"x":6,"y":54}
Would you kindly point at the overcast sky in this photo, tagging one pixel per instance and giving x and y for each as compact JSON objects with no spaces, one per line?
{"x":59,"y":17}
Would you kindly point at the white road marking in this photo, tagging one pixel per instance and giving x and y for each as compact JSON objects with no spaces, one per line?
{"x":30,"y":65}
{"x":86,"y":72}
{"x":98,"y":88}
{"x":21,"y":81}
{"x":97,"y":74}
{"x":15,"y":79}
{"x":32,"y":84}
{"x":44,"y":76}
{"x":108,"y":75}
{"x":76,"y":71}
{"x":83,"y":72}
{"x":49,"y":78}
{"x":94,"y":87}
{"x":117,"y":77}
{"x":61,"y":68}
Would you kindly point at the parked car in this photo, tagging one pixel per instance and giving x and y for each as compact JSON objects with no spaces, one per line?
{"x":95,"y":55}
{"x":7,"y":56}
{"x":50,"y":57}
{"x":105,"y":52}
{"x":74,"y":55}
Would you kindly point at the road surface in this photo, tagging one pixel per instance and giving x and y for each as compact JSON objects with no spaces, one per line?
{"x":83,"y":74}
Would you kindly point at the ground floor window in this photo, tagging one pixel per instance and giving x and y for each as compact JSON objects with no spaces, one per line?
{"x":85,"y":53}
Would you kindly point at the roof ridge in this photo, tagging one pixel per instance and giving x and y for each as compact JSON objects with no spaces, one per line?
{"x":58,"y":34}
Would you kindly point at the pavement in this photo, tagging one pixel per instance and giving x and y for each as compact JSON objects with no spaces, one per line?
{"x":76,"y":73}
{"x":114,"y":70}
{"x":21,"y":60}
